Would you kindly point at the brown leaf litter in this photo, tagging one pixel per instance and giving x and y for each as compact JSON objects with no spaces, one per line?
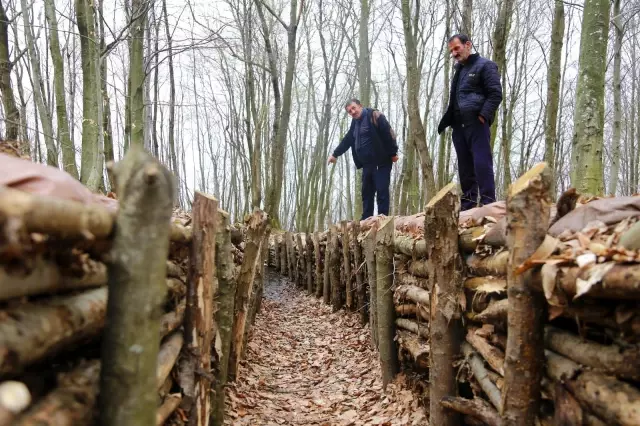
{"x":308,"y":366}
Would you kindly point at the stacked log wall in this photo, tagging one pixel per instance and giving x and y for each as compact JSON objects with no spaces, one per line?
{"x":550,"y":329}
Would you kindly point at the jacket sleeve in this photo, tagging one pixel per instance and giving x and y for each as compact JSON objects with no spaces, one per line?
{"x":493,"y":91}
{"x":345,"y":143}
{"x":388,"y":135}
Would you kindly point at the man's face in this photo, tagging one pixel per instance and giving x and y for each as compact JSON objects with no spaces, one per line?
{"x":460,"y":52}
{"x":354,"y":110}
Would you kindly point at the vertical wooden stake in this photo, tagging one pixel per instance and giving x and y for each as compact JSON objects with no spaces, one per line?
{"x":310,"y":269}
{"x":527,"y":223}
{"x":346,"y":264}
{"x":291,"y":256}
{"x":386,"y":310}
{"x":224,"y":314}
{"x":358,"y":260}
{"x":334,"y":271}
{"x":318,"y":256}
{"x":444,"y":266}
{"x":326,"y":282}
{"x":301,"y":262}
{"x":283,"y":255}
{"x":256,"y":229}
{"x":137,"y":289}
{"x":370,"y":256}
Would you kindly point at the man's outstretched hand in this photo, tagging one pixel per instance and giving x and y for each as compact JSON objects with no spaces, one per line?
{"x":332,"y":159}
{"x":394,"y":158}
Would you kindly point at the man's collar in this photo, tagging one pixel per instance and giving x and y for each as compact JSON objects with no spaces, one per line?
{"x":470,"y":60}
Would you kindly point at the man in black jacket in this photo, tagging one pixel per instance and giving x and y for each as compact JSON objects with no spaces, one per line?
{"x":476,"y":93}
{"x":374,"y":150}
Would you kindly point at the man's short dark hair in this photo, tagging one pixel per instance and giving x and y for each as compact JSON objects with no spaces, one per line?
{"x":352,"y":101}
{"x":462,"y":37}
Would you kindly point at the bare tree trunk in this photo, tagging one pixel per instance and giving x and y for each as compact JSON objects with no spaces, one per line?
{"x":617,"y":102}
{"x":528,"y":217}
{"x":12,"y":115}
{"x":445,"y":279}
{"x":586,"y":158}
{"x":38,"y":88}
{"x":370,"y":257}
{"x":467,"y":18}
{"x":553,"y":89}
{"x":137,"y":291}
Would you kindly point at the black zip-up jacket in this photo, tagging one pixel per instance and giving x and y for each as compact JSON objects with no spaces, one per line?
{"x":382,"y":135}
{"x":477,"y":89}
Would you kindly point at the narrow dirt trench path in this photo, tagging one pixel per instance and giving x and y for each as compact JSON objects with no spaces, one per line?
{"x":307,"y":366}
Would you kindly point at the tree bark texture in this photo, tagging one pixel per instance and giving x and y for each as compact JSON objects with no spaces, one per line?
{"x":335,"y":260}
{"x":136,"y":291}
{"x":256,"y":229}
{"x":318,"y":263}
{"x":202,"y":285}
{"x":477,"y":408}
{"x":481,"y":374}
{"x":358,"y":262}
{"x":309,"y":269}
{"x":416,"y":347}
{"x":225,"y":310}
{"x":445,"y":281}
{"x":386,"y":310}
{"x":326,"y":276}
{"x":346,"y":264}
{"x":527,"y":223}
{"x":370,"y":257}
{"x":12,"y":114}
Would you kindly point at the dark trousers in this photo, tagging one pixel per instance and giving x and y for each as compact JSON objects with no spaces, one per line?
{"x":475,"y":164}
{"x":375,"y":184}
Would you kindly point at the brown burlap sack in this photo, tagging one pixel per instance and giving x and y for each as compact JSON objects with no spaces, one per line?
{"x":607,"y":210}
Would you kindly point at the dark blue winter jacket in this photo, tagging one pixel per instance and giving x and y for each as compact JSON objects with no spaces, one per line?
{"x":476,"y":89}
{"x":380,"y":135}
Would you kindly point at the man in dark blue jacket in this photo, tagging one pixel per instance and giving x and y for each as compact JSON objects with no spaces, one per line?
{"x":476,"y":93}
{"x":374,"y":150}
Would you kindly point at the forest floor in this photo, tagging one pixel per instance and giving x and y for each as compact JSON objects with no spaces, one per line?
{"x":308,"y":366}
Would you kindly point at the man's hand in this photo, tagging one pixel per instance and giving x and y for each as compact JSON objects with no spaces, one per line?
{"x":394,"y":158}
{"x":481,"y":118}
{"x":332,"y":159}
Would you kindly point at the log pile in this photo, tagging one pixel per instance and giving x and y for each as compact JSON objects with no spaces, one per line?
{"x":541,"y":309}
{"x":90,"y":294}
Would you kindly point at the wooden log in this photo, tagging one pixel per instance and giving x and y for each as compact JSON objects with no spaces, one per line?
{"x":527,"y":223}
{"x":477,"y":408}
{"x":467,"y":238}
{"x":405,"y":278}
{"x":369,"y":243}
{"x":608,"y":359}
{"x":256,"y":229}
{"x":318,"y":263}
{"x":419,"y":268}
{"x":256,"y":294}
{"x":491,"y":354}
{"x":53,"y":216}
{"x":482,"y":376}
{"x":405,"y":244}
{"x":175,"y":288}
{"x":283,"y":255}
{"x":486,"y":284}
{"x":180,"y":234}
{"x":411,"y":310}
{"x":71,"y":403}
{"x":421,"y":329}
{"x":495,"y":313}
{"x":136,"y":290}
{"x":33,"y":332}
{"x":495,"y":265}
{"x":291,"y":256}
{"x":198,"y":319}
{"x":630,"y":239}
{"x":346,"y":265}
{"x":310,"y":268}
{"x":416,"y":347}
{"x":385,"y":310}
{"x":167,"y":356}
{"x":334,"y":272}
{"x":358,"y":261}
{"x":568,"y":411}
{"x":14,"y":399}
{"x":605,"y":396}
{"x":225,"y":310}
{"x":45,"y":277}
{"x":326,"y":282}
{"x":172,"y":320}
{"x":618,"y":283}
{"x":169,"y":405}
{"x":174,"y":270}
{"x":445,"y":278}
{"x":413,"y":293}
{"x":300,"y":262}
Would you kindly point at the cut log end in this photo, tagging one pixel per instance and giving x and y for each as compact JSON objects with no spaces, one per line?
{"x":535,"y":173}
{"x":450,"y":188}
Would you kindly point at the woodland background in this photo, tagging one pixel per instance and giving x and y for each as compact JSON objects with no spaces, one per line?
{"x":244,"y":99}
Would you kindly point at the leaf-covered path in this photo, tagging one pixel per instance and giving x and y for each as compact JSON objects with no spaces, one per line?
{"x":307,"y":366}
